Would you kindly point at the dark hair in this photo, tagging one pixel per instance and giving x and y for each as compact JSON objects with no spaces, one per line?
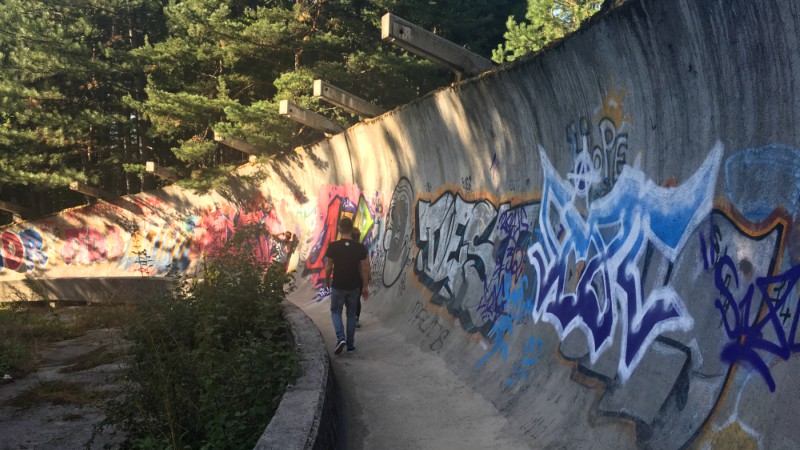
{"x":346,"y":225}
{"x":356,"y":233}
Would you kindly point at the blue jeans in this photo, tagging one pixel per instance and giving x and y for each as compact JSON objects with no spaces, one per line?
{"x":348,"y":299}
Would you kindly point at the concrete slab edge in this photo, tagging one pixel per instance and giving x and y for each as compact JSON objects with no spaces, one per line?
{"x":86,"y":290}
{"x":305,"y":418}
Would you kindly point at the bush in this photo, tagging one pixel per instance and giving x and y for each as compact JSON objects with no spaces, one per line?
{"x":211,"y":362}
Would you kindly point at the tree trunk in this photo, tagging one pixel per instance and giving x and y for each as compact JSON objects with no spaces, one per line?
{"x":142,"y":141}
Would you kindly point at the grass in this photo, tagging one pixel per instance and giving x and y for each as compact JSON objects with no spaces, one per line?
{"x":26,"y":329}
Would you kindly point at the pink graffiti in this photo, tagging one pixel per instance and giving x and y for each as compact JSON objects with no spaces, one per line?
{"x":87,"y":245}
{"x":336,"y":202}
{"x":316,"y":260}
{"x":176,"y":245}
{"x":216,"y":227}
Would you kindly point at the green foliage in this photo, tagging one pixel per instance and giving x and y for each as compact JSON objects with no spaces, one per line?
{"x":257,"y":123}
{"x":65,"y":67}
{"x":209,"y":178}
{"x":547,"y":21}
{"x":212,"y":362}
{"x":22,"y":330}
{"x":92,"y":90}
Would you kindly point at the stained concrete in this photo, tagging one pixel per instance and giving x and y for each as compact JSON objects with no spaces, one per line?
{"x":64,"y":425}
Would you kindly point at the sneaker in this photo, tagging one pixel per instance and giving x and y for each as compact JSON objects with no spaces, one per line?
{"x":351,"y":350}
{"x":339,"y":347}
{"x":358,"y":323}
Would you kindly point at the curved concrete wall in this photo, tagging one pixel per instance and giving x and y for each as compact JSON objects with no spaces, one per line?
{"x":601,"y":239}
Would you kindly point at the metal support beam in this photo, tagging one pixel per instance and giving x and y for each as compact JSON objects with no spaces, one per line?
{"x":308,"y":118}
{"x":92,"y":191}
{"x":161,"y":172}
{"x":237,"y":144}
{"x":428,"y":45}
{"x":345,"y":100}
{"x":16,"y":210}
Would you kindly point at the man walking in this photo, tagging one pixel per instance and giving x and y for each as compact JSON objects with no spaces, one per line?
{"x":347,"y":261}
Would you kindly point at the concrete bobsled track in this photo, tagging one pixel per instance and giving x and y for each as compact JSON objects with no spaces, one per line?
{"x":599,"y":240}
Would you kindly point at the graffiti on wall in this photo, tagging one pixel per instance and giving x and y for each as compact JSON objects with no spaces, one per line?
{"x":186,"y":238}
{"x":22,"y":251}
{"x":465,"y":248}
{"x":599,"y":148}
{"x":518,"y":309}
{"x":608,"y":245}
{"x":165,"y":247}
{"x":338,"y":202}
{"x":758,"y":291}
{"x":429,"y":324}
{"x":152,"y":243}
{"x":758,"y":321}
{"x":88,"y":245}
{"x":756,"y":201}
{"x":397,"y":236}
{"x":584,"y":271}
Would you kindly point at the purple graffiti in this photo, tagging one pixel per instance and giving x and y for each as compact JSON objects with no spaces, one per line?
{"x":466,"y":249}
{"x":515,"y":234}
{"x":766,"y":332}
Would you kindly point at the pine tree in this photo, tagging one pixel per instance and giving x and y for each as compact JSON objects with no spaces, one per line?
{"x":547,"y":21}
{"x":63,"y":71}
{"x":90,"y":90}
{"x":227,"y":64}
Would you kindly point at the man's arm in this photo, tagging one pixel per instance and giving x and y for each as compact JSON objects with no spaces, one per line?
{"x":365,"y":271}
{"x":328,"y":272}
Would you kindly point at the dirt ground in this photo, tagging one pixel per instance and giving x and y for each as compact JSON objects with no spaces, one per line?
{"x":63,"y":424}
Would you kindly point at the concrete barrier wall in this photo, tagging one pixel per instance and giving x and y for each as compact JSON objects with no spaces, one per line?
{"x":86,"y":290}
{"x":306,"y":417}
{"x":599,"y":239}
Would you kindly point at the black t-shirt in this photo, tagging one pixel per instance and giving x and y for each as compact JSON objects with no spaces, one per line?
{"x":347,"y":255}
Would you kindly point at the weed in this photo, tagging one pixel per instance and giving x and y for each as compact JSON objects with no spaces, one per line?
{"x":103,"y":316}
{"x":210,"y":363}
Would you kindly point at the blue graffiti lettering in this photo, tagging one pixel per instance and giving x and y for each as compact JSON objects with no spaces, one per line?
{"x":606,"y":248}
{"x":27,"y":246}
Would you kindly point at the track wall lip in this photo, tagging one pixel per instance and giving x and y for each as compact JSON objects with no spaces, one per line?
{"x":304,"y":419}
